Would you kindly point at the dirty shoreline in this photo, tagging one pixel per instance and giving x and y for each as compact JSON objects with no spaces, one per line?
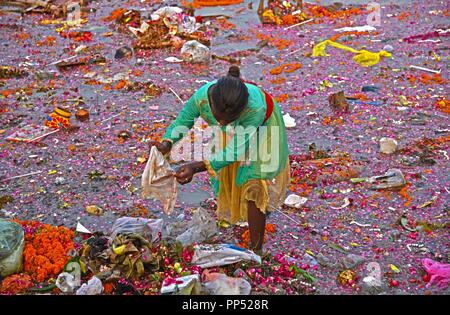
{"x":93,"y":166}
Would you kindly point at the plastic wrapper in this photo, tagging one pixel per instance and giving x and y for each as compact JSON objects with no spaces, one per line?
{"x":158,"y":180}
{"x":388,"y":145}
{"x":392,"y":179}
{"x":200,"y":228}
{"x":289,"y":122}
{"x":30,"y":133}
{"x":207,"y":256}
{"x":295,"y":201}
{"x":93,"y":287}
{"x":148,"y":228}
{"x":182,"y":286}
{"x":195,"y":52}
{"x":176,"y":20}
{"x":11,"y":247}
{"x":169,"y":12}
{"x":66,"y":282}
{"x":221,"y":284}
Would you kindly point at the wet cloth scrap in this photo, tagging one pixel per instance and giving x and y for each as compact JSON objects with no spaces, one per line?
{"x":363,"y":57}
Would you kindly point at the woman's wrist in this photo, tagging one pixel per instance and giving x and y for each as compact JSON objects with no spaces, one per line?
{"x":198,"y":167}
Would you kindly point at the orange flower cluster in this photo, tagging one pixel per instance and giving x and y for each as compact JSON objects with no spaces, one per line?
{"x":334,"y":38}
{"x":318,"y":11}
{"x":282,"y":98}
{"x":278,"y":42}
{"x":46,"y":249}
{"x":360,"y":96}
{"x":278,"y":81}
{"x":404,"y":193}
{"x":48,"y":41}
{"x":270,"y":228}
{"x":430,"y":79}
{"x":287,"y":68}
{"x":77,"y":36}
{"x":327,"y":120}
{"x":23,"y":36}
{"x":108,"y":288}
{"x":427,"y":79}
{"x":225,"y":24}
{"x":403,"y":16}
{"x":444,"y":106}
{"x":196,"y":4}
{"x":16,"y":284}
{"x":115,"y":14}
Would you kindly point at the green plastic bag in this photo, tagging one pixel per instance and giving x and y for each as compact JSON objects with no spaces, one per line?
{"x":11,"y":248}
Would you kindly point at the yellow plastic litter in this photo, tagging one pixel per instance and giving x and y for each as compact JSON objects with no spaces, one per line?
{"x":394,"y":268}
{"x":119,"y":250}
{"x":272,"y":17}
{"x":363,"y":57}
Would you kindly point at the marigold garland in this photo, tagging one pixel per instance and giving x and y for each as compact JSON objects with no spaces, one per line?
{"x":46,"y":249}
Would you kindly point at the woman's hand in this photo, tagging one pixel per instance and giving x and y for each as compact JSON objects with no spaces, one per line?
{"x":163,"y":147}
{"x":186,"y":172}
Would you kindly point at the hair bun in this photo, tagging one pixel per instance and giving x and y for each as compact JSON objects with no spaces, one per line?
{"x":234,"y":72}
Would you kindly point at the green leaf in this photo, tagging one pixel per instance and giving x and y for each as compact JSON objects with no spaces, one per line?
{"x":337,"y":247}
{"x":404,"y":223}
{"x":357,"y":180}
{"x":308,"y":277}
{"x":43,"y":289}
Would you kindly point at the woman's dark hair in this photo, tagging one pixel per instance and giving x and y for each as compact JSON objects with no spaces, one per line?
{"x":230,"y":95}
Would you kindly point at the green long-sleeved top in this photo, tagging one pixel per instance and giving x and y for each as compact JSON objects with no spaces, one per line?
{"x":270,"y":160}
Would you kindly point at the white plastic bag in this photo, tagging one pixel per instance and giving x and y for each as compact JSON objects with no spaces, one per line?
{"x":158,"y":180}
{"x":393,"y":178}
{"x":200,"y":228}
{"x":295,"y":201}
{"x":221,"y":284}
{"x":183,"y":286}
{"x":170,"y":12}
{"x":66,"y":282}
{"x":148,"y":228}
{"x":93,"y":287}
{"x":289,"y":122}
{"x":388,"y":145}
{"x":195,"y":52}
{"x":207,"y":256}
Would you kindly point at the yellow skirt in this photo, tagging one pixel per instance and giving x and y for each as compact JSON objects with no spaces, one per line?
{"x":232,"y":200}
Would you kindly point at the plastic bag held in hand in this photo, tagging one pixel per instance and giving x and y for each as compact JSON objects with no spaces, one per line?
{"x":158,"y":180}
